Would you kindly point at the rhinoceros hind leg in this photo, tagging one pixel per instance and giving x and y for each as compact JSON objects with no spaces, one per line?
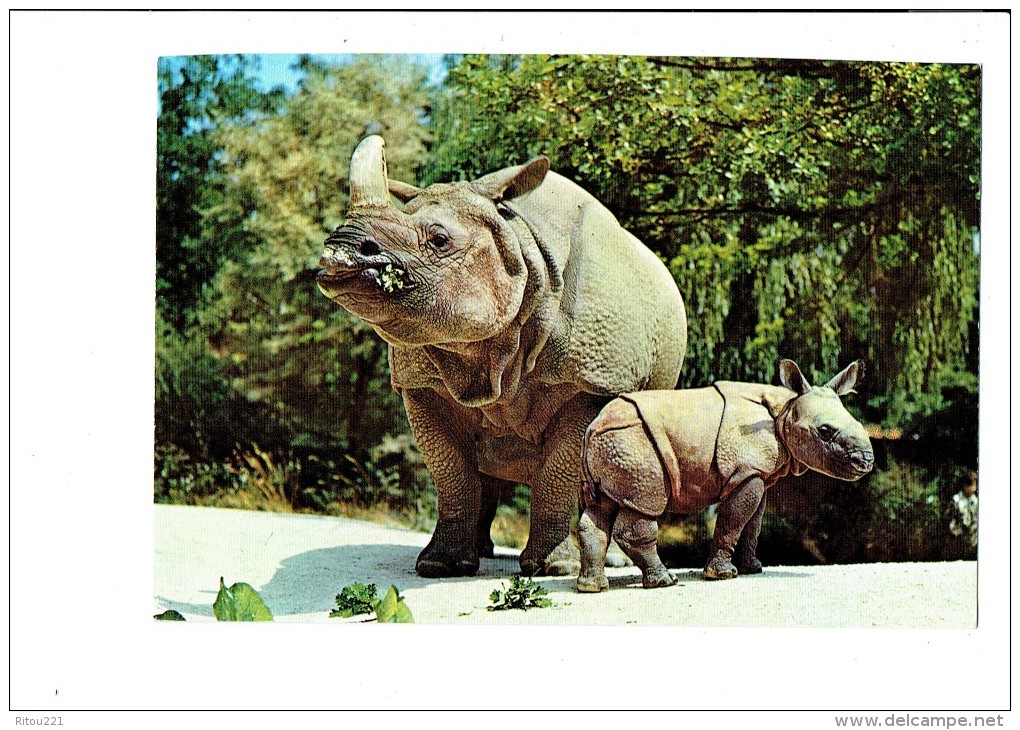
{"x":492,"y":489}
{"x":637,"y":534}
{"x":550,"y":549}
{"x":432,"y":567}
{"x":592,"y":585}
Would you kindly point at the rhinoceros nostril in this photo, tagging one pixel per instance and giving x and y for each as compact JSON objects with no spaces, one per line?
{"x":863,"y":459}
{"x":369,"y":247}
{"x":336,"y":259}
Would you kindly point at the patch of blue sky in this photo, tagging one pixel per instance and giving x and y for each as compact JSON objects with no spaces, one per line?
{"x":272,"y":70}
{"x":281,"y":69}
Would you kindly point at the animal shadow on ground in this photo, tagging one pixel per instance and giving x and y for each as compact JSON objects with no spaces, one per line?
{"x":201,"y":609}
{"x":309,"y":582}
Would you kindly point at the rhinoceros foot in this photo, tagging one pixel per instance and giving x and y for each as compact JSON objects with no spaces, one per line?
{"x":658,"y":579}
{"x":562,"y":567}
{"x":564,"y":559}
{"x":488,"y":549}
{"x":719,"y":569}
{"x":434,"y":563}
{"x":749,"y":566}
{"x":587,"y":584}
{"x":550,"y":567}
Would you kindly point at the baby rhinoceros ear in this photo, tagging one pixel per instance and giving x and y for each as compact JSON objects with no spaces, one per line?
{"x":791,"y":376}
{"x":847,"y":380}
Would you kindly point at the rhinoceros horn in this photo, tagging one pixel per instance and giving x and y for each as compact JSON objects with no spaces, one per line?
{"x":369,"y":186}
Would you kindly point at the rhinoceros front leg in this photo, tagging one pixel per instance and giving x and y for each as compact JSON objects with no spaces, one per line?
{"x":550,"y":549}
{"x":445,"y":442}
{"x":746,"y":558}
{"x":735,"y":513}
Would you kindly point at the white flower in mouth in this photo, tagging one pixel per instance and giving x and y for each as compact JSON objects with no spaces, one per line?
{"x":390,"y":279}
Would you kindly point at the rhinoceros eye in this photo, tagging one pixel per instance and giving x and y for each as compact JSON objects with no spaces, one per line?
{"x":439,"y":239}
{"x":826,"y":432}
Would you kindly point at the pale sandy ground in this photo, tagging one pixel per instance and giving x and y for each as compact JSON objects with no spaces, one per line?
{"x":299,"y":563}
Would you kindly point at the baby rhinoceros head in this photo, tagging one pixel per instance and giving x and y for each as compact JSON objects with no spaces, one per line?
{"x":819,"y":431}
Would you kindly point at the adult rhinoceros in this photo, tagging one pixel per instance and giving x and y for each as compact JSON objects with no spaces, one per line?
{"x":515,"y":307}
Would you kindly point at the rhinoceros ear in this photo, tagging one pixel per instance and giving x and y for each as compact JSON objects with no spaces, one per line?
{"x":403,"y":191}
{"x":791,"y":376}
{"x":513,"y":181}
{"x":847,"y":380}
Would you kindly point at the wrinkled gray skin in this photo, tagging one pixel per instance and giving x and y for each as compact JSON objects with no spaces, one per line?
{"x":680,"y":451}
{"x":515,"y":307}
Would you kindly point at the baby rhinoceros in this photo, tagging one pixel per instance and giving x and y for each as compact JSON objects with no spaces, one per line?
{"x":679,"y":451}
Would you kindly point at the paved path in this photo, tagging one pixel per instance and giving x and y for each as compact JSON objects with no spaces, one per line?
{"x":299,"y":563}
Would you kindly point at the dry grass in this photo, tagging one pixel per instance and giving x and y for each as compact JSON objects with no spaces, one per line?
{"x":510,"y":528}
{"x":380,"y":514}
{"x":270,"y":485}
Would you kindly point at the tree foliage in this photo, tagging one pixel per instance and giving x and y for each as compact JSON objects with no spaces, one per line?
{"x":280,"y":342}
{"x":196,"y":93}
{"x":817,"y":210}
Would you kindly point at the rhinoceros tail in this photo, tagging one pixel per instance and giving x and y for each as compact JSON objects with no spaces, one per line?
{"x":589,"y":488}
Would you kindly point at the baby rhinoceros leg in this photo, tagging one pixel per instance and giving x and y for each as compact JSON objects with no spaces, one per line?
{"x":624,"y":476}
{"x":637,"y":535}
{"x":593,"y":531}
{"x":739,"y":511}
{"x":745,"y":558}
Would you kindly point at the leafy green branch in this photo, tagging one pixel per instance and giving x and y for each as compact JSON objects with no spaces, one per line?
{"x":523,"y":593}
{"x":358,"y":599}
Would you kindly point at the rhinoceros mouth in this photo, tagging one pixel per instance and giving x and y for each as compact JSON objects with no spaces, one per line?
{"x":853,"y":465}
{"x":861,"y":462}
{"x":386,"y":279}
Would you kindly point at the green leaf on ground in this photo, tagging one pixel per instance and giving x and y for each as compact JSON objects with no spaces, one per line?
{"x":392,"y":609}
{"x":169,"y":615}
{"x":354,"y":600}
{"x":523,"y":593}
{"x":358,"y":598}
{"x":240,"y":602}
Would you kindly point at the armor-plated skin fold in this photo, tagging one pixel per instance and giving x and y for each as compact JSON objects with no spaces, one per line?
{"x":515,"y":307}
{"x":680,"y":451}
